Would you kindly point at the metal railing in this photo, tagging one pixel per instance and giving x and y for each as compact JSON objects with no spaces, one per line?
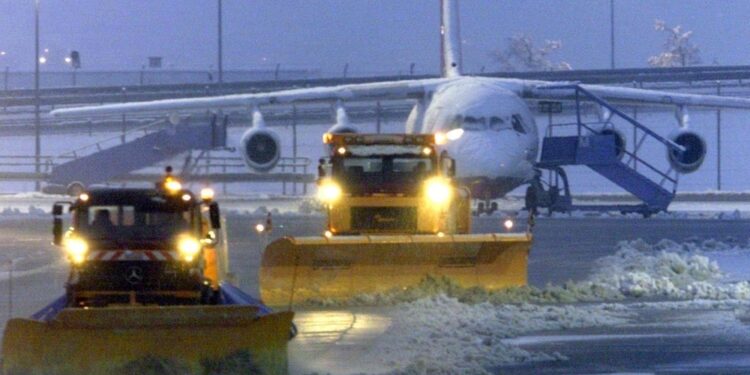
{"x":206,"y":164}
{"x":668,"y":177}
{"x":121,"y":138}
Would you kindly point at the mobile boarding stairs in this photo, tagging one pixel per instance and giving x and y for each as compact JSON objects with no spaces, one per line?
{"x":602,"y":148}
{"x":161,"y":141}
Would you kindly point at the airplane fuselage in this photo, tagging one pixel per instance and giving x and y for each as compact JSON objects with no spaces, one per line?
{"x":500,"y":140}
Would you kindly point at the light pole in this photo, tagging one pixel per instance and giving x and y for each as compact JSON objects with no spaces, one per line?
{"x":219,"y":57}
{"x":37,"y":124}
{"x":7,"y":69}
{"x":74,"y":61}
{"x":612,"y":33}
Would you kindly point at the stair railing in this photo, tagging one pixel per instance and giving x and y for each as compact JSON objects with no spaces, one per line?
{"x":97,"y":146}
{"x":668,"y":177}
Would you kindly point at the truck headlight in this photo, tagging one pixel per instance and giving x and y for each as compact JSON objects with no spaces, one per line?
{"x":76,"y":248}
{"x":438,"y":190}
{"x":329,"y":191}
{"x":188,"y":247}
{"x":172,"y":185}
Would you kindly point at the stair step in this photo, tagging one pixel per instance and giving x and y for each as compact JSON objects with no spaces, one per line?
{"x":598,"y":152}
{"x":635,"y":183}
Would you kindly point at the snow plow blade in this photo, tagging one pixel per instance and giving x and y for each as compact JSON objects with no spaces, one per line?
{"x":309,"y":269}
{"x":130,"y":340}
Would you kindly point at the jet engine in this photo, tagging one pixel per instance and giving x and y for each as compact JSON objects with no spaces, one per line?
{"x":342,"y":121}
{"x":342,"y":128}
{"x":261,"y":149}
{"x":695,"y":151}
{"x":620,"y":141}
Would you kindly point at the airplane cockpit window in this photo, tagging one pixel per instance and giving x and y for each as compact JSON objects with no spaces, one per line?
{"x":456,"y":123}
{"x":497,"y":123}
{"x":517,"y":123}
{"x":474,"y":123}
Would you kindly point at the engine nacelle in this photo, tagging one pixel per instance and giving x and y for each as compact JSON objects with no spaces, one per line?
{"x":342,"y":128}
{"x":620,"y":141}
{"x":261,"y":149}
{"x":695,"y":151}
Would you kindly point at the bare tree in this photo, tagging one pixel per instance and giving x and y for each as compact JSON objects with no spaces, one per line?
{"x":679,"y":50}
{"x":522,"y":55}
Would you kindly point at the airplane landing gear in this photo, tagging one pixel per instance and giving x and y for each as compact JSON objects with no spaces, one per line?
{"x":486,"y":207}
{"x":555,"y":197}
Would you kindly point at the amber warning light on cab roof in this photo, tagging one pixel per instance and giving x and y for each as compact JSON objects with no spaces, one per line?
{"x":375,"y":139}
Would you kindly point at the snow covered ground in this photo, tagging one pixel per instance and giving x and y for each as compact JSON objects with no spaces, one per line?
{"x":679,"y":290}
{"x":595,"y":289}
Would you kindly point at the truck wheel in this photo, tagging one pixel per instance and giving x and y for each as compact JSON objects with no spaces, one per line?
{"x":208,"y":297}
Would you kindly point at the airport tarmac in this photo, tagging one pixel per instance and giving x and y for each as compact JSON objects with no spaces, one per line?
{"x":676,"y":302}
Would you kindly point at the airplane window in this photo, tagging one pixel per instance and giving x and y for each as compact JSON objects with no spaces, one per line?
{"x":517,"y":123}
{"x":456,"y":123}
{"x":474,"y":123}
{"x":496,"y":123}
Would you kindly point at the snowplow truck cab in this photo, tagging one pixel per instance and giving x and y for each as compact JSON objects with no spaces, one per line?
{"x":148,"y":286}
{"x":396,"y":218}
{"x":379,"y":184}
{"x":140,"y":246}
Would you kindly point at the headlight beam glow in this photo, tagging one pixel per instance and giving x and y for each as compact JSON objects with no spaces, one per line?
{"x":438,"y":190}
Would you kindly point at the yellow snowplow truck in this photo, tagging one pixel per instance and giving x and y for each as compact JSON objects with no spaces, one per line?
{"x":147,"y":291}
{"x":395,"y":216}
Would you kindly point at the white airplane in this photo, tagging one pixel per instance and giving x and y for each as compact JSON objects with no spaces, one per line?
{"x":491,"y":131}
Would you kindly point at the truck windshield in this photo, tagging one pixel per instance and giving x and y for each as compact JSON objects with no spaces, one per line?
{"x":132,"y":224}
{"x":401,"y":173}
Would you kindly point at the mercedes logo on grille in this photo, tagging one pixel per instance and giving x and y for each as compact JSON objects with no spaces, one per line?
{"x":134,"y":275}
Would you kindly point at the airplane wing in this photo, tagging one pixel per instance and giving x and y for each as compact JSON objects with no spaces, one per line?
{"x":633,"y":96}
{"x":528,"y":89}
{"x":366,"y":91}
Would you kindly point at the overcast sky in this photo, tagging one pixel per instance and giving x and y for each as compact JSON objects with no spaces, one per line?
{"x":372,"y":36}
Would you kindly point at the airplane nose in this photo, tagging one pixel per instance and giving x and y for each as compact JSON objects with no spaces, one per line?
{"x":483,"y":153}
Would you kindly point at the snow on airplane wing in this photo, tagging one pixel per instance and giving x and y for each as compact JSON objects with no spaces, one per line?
{"x":373,"y":91}
{"x":634,"y":96}
{"x":527,"y":89}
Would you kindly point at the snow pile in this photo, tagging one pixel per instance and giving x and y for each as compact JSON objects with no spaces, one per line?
{"x":448,"y":329}
{"x":441,"y":335}
{"x":637,"y":270}
{"x":734,"y":215}
{"x":305,"y":208}
{"x":35,"y":195}
{"x":29,"y":210}
{"x":665,"y":270}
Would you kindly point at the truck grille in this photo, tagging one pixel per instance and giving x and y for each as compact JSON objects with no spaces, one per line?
{"x":384,"y":218}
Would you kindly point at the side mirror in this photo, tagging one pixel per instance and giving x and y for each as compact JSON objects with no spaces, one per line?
{"x":214,"y":215}
{"x":57,"y":224}
{"x":324,"y":167}
{"x":448,"y":165}
{"x":57,"y":231}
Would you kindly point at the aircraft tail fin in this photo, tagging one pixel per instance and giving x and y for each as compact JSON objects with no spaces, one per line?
{"x":450,"y":38}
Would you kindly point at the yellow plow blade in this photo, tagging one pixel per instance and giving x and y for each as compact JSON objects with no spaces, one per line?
{"x":300,"y":270}
{"x":129,"y":340}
